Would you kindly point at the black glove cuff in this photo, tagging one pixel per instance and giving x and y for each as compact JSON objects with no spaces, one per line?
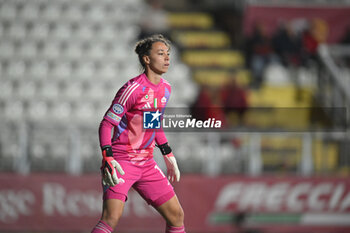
{"x":108,"y":150}
{"x":165,"y":148}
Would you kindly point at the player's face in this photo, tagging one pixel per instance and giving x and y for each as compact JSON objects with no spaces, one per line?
{"x":158,"y":59}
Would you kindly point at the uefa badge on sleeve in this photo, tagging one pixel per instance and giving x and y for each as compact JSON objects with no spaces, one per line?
{"x":151,"y":120}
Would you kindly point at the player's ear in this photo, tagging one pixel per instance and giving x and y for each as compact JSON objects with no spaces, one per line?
{"x":146,"y":59}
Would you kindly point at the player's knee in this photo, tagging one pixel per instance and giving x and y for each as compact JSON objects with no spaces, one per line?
{"x":178,"y":217}
{"x":181,"y":216}
{"x":111,"y":218}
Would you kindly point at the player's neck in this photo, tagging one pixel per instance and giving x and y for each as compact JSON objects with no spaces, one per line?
{"x":153,"y":77}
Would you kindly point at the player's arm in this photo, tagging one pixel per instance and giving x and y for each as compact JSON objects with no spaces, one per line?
{"x":109,"y":164}
{"x":173,"y":171}
{"x":120,"y":105}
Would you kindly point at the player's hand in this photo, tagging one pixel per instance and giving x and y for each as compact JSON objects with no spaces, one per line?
{"x":173,"y":171}
{"x":109,"y":168}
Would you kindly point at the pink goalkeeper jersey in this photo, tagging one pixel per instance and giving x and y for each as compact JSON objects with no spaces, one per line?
{"x":129,"y":140}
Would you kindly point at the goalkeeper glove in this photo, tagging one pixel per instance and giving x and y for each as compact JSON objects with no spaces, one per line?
{"x":109,"y":166}
{"x":173,"y":171}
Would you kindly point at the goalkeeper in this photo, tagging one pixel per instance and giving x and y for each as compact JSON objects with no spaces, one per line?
{"x":127,"y":155}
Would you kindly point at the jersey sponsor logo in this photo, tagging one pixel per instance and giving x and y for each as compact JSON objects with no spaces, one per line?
{"x":163,"y":100}
{"x":117,"y":108}
{"x":151,"y":120}
{"x":127,"y":93}
{"x":113,"y":116}
{"x":147,"y":106}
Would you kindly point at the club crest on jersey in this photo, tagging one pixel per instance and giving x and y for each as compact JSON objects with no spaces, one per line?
{"x":151,"y":120}
{"x":148,"y":96}
{"x":117,"y":108}
{"x":163,"y":100}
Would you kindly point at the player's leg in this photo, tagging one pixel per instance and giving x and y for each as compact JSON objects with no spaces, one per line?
{"x":155,"y":188}
{"x":173,"y":214}
{"x":114,"y":199}
{"x":112,"y":211}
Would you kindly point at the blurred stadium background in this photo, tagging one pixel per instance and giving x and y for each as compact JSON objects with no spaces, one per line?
{"x":277,"y":69}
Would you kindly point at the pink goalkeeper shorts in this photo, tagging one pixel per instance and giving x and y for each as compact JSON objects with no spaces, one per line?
{"x":147,"y":179}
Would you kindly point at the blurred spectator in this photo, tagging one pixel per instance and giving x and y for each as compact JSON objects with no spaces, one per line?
{"x":346,"y":41}
{"x":346,"y":38}
{"x":312,"y":36}
{"x":208,"y":105}
{"x":154,"y":19}
{"x":287,"y":45}
{"x":203,"y":98}
{"x":234,"y":101}
{"x":310,"y":45}
{"x":259,"y":53}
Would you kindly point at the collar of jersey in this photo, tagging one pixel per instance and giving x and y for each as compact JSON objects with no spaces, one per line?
{"x":155,"y":86}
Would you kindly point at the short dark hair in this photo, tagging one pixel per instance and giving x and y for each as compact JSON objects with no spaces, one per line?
{"x":144,"y":46}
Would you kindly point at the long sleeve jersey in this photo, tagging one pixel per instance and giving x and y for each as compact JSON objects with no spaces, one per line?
{"x":129,"y":140}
